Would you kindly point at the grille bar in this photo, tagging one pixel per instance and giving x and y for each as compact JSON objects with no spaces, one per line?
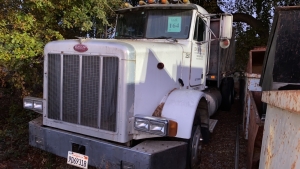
{"x":61,"y":88}
{"x":100,"y":92}
{"x":79,"y":90}
{"x":83,"y":90}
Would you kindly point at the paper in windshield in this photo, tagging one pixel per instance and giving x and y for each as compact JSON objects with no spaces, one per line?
{"x":174,"y":24}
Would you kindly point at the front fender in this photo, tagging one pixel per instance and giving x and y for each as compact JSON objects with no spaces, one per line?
{"x":181,"y":106}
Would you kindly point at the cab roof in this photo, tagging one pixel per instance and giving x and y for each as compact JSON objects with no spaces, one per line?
{"x":160,"y":6}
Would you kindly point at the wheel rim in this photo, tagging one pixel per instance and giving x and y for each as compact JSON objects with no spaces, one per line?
{"x":196,"y":147}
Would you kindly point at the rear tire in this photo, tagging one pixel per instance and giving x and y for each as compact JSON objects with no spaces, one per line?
{"x":194,"y":148}
{"x":226,"y":92}
{"x":231,"y":84}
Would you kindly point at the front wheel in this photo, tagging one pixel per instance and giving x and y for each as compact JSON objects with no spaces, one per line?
{"x":194,"y":148}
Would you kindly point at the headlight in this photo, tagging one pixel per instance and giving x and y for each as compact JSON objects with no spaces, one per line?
{"x":158,"y":128}
{"x":155,"y":125}
{"x":38,"y":105}
{"x":33,"y":103}
{"x":141,"y":124}
{"x":28,"y":104}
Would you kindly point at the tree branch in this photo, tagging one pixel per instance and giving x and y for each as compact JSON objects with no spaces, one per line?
{"x":262,"y":29}
{"x":256,"y":24}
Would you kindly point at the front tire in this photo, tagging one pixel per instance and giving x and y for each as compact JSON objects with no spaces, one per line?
{"x":194,"y":148}
{"x":205,"y":133}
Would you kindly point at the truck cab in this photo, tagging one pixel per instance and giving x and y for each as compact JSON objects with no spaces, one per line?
{"x":138,"y":99}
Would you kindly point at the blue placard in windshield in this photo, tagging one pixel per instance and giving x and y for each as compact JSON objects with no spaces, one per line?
{"x":174,"y":24}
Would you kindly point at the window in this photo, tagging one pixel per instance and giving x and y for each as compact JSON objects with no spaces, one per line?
{"x":131,"y":25}
{"x":169,"y":23}
{"x":154,"y":24}
{"x":200,"y":30}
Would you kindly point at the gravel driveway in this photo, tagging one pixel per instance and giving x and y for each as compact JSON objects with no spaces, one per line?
{"x":220,"y":152}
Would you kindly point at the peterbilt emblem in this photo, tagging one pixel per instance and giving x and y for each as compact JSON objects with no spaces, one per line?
{"x":80,"y":48}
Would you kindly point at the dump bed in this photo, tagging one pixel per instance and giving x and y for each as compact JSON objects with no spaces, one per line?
{"x":282,"y":59}
{"x":281,"y":72}
{"x":253,"y":120}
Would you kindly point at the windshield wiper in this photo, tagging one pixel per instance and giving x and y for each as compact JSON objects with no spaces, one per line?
{"x":165,"y":37}
{"x":129,"y":36}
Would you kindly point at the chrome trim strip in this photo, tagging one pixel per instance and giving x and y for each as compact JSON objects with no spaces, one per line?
{"x":61,"y":86}
{"x":79,"y":89}
{"x":100,"y":91}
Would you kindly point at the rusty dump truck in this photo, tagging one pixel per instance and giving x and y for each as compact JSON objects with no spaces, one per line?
{"x":141,"y":100}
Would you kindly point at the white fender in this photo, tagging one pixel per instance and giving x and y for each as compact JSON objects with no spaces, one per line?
{"x":181,"y":106}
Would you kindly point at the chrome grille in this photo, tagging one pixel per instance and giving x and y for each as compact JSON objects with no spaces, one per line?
{"x":74,"y":94}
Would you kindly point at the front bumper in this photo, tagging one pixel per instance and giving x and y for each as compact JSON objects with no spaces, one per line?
{"x":150,"y":154}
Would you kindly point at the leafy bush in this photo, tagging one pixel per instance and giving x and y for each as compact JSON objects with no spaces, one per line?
{"x":25,"y":28}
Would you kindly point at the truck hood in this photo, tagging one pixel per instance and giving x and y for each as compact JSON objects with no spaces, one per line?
{"x":113,"y":46}
{"x":160,"y":48}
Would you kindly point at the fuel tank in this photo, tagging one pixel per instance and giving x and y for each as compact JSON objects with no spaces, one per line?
{"x":214,"y":98}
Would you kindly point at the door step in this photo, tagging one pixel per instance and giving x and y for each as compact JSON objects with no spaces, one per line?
{"x":212,"y":124}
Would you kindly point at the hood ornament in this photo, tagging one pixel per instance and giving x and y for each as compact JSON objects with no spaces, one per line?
{"x":81,"y":39}
{"x":80,"y":47}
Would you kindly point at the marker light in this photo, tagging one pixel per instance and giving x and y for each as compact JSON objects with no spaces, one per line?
{"x":151,"y":1}
{"x":128,"y":5}
{"x":142,"y":3}
{"x":164,"y":1}
{"x":172,"y":128}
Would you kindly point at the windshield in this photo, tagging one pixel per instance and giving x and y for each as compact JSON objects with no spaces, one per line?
{"x":154,"y":24}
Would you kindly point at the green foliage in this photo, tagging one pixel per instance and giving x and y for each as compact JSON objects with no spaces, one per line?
{"x":25,"y":28}
{"x":14,"y":132}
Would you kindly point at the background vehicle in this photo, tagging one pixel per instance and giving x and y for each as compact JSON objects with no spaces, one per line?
{"x":141,"y":98}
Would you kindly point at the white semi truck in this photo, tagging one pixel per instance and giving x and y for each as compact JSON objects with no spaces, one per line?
{"x":141,"y":100}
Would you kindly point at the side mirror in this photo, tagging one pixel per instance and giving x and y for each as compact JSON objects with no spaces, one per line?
{"x":226,"y":26}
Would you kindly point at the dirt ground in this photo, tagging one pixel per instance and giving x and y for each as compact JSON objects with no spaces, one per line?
{"x":218,"y":154}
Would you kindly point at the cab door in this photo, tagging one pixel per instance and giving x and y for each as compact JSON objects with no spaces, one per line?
{"x":199,"y":53}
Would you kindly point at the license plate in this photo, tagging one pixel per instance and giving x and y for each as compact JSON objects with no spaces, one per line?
{"x":77,"y":160}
